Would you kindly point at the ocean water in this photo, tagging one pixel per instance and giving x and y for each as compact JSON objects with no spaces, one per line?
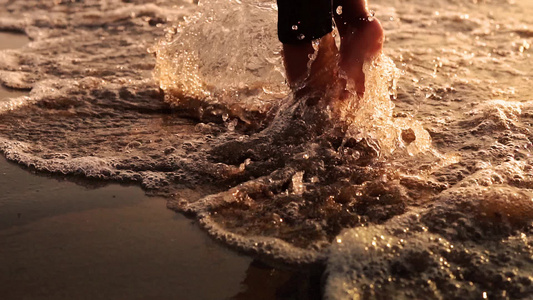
{"x":421,"y":189}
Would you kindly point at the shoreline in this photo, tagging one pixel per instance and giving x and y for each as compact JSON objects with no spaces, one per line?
{"x":69,"y":237}
{"x":64,"y":240}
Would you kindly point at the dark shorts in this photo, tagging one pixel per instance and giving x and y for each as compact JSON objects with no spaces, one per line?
{"x":301,"y":21}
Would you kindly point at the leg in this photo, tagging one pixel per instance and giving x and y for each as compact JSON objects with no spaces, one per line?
{"x":321,"y":74}
{"x":300,"y":22}
{"x":361,"y":39}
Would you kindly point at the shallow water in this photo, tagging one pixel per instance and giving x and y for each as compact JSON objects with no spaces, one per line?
{"x":11,"y":41}
{"x":420,"y":189}
{"x":7,"y":94}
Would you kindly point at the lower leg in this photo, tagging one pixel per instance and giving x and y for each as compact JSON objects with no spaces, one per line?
{"x":361,"y":39}
{"x":320,"y":74}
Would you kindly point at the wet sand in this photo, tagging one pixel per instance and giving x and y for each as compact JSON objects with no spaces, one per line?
{"x":62,"y":240}
{"x":92,"y":240}
{"x":71,"y":238}
{"x":11,"y":40}
{"x":6,"y":93}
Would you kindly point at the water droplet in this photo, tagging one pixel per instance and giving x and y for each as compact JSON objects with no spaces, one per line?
{"x":294,"y":27}
{"x":301,"y":36}
{"x":316,"y":44}
{"x":371,"y":16}
{"x":339,"y":10}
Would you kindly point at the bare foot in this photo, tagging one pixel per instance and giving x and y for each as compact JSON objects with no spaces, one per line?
{"x":361,"y":40}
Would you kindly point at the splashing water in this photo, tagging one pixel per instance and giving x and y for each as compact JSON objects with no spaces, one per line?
{"x":226,"y":56}
{"x":372,"y":116}
{"x":302,"y":137}
{"x":426,"y":197}
{"x":234,"y":68}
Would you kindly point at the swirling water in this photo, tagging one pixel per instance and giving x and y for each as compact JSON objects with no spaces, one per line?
{"x":422,"y":189}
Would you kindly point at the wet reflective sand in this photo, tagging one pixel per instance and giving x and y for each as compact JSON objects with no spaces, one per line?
{"x":70,"y":238}
{"x":11,"y":40}
{"x":62,"y":240}
{"x":85,"y":240}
